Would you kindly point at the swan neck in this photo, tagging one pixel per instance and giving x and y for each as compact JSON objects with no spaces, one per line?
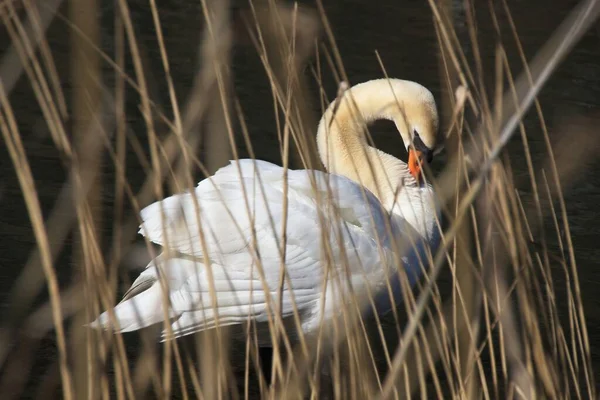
{"x":342,"y":143}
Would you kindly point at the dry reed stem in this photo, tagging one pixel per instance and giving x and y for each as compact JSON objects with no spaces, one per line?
{"x":465,"y":288}
{"x":12,"y":139}
{"x":87,"y":160}
{"x":215,"y":56}
{"x":352,"y":382}
{"x":284,"y":37}
{"x":10,"y":67}
{"x":90,"y":146}
{"x":541,"y":67}
{"x":23,"y":47}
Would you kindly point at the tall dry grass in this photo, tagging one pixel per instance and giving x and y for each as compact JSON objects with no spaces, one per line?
{"x":496,"y":334}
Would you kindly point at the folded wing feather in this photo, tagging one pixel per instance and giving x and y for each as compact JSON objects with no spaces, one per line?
{"x":230,"y":229}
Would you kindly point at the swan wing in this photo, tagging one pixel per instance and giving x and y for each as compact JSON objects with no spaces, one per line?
{"x":237,"y":216}
{"x":229,"y":231}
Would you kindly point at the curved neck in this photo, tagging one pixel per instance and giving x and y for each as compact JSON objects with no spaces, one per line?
{"x":344,"y":149}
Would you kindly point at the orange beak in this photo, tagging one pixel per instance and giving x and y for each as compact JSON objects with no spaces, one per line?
{"x":415,"y":162}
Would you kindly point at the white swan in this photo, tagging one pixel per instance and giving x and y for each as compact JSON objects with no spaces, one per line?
{"x":240,"y":210}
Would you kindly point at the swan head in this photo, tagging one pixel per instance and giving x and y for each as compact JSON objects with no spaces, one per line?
{"x":408,"y":104}
{"x":414,"y":112}
{"x":341,"y":132}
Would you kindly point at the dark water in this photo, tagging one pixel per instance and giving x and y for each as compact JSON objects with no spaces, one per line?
{"x":405,"y":38}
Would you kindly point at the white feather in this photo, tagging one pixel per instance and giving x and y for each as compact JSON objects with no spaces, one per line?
{"x":225,"y":247}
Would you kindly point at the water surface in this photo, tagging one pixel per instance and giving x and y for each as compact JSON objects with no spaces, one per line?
{"x":402,"y":33}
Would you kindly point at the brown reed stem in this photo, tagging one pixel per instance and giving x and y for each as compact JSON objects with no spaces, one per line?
{"x":86,"y":98}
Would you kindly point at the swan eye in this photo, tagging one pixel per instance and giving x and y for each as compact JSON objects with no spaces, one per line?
{"x":417,"y":141}
{"x":419,"y":145}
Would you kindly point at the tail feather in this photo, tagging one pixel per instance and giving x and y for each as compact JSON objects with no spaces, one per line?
{"x":235,"y":313}
{"x":197,"y":321}
{"x":190,"y":296}
{"x":138,"y":312}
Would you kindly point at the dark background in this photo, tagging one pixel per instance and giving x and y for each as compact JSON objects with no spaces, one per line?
{"x":403,"y":34}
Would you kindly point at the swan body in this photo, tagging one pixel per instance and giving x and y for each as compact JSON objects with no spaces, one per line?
{"x":226,"y":241}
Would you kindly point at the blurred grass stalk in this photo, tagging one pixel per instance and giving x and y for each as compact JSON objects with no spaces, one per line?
{"x":218,"y":135}
{"x":518,"y":99}
{"x":87,"y":165}
{"x":284,"y":36}
{"x":466,"y":294}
